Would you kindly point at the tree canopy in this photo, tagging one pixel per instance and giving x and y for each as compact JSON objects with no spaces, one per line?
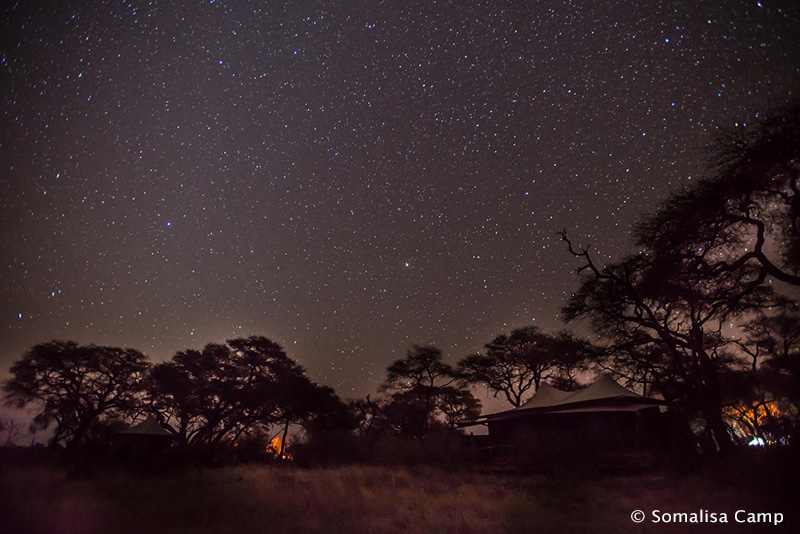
{"x":73,"y":385}
{"x":705,"y":259}
{"x":223,"y":391}
{"x":516,"y":364}
{"x":421,"y":389}
{"x":746,"y":212}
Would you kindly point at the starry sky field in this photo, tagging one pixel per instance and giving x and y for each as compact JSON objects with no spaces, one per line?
{"x":348,"y":178}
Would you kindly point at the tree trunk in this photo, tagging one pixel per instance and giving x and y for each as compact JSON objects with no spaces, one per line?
{"x":80,"y":432}
{"x":282,"y":454}
{"x":713,"y":417}
{"x":710,"y":404}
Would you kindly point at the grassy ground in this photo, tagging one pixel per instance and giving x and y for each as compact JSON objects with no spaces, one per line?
{"x":42,"y":497}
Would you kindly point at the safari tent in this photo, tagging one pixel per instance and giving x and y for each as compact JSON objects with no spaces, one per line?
{"x":604,"y":424}
{"x":143,"y":440}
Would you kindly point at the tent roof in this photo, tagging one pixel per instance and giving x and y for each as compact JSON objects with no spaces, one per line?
{"x":605,"y":394}
{"x":148,"y":427}
{"x":604,"y":387}
{"x":546,"y":395}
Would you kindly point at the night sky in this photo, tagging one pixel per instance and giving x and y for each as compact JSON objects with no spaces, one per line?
{"x":348,"y":178}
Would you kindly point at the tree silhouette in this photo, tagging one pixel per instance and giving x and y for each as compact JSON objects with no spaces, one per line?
{"x":196,"y":392}
{"x":223,"y":391}
{"x":72,"y":385}
{"x":772,"y":341}
{"x":706,"y":258}
{"x":12,"y":429}
{"x":642,"y":304}
{"x":330,"y":432}
{"x":747,"y":213}
{"x":409,"y":412}
{"x":421,"y":368}
{"x":422,"y":373}
{"x":458,"y":405}
{"x":518,"y":363}
{"x":420,"y":387}
{"x":369,"y":419}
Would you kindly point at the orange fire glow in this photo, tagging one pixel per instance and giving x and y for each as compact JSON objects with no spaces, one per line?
{"x":749,"y":417}
{"x":274,"y":448}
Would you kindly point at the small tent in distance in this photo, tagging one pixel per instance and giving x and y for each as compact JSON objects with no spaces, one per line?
{"x":142,"y":442}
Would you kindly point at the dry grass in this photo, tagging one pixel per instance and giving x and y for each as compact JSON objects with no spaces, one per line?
{"x":253,"y":499}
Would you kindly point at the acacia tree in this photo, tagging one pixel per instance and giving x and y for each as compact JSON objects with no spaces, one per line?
{"x":73,"y":386}
{"x":571,"y":355}
{"x":408,"y":413}
{"x":677,"y":311}
{"x":458,"y":405}
{"x":369,"y":419}
{"x":275,"y":388}
{"x":500,"y":371}
{"x":747,"y":212}
{"x":774,"y":341}
{"x":196,"y":393}
{"x":706,"y":258}
{"x":772,"y":380}
{"x":422,"y":371}
{"x":518,"y":363}
{"x":224,"y":391}
{"x":328,"y":417}
{"x":420,"y":387}
{"x":12,"y":429}
{"x":641,"y":366}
